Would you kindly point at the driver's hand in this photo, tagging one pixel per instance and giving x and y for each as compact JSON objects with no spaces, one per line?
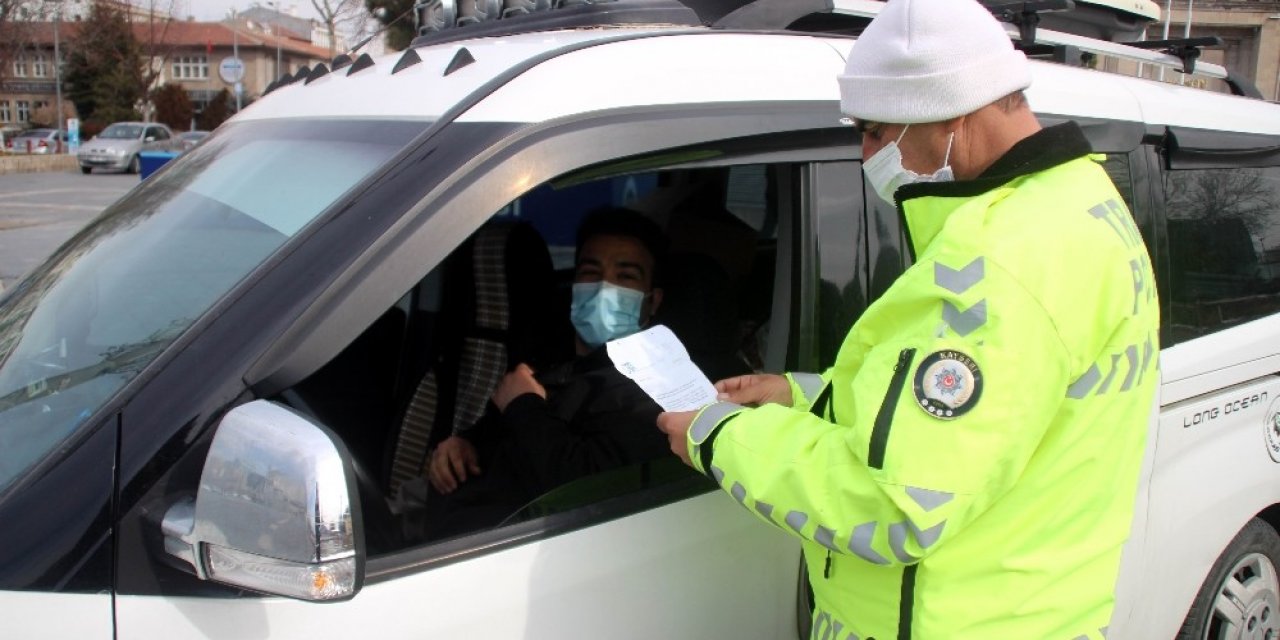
{"x":755,"y":390}
{"x":451,"y":463}
{"x":515,"y":384}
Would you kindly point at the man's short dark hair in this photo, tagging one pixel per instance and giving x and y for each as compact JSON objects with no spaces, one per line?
{"x":627,"y":223}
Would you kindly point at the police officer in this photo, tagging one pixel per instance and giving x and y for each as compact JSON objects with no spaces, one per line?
{"x":967,"y":468}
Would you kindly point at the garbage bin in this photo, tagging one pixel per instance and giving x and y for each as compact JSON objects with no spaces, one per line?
{"x":150,"y":161}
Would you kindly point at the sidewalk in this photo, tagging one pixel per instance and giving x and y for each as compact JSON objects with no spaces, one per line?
{"x":37,"y":164}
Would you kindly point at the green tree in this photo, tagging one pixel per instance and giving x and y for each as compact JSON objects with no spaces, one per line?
{"x":398,"y":15}
{"x":173,"y":107}
{"x":216,"y":112}
{"x":104,"y":67}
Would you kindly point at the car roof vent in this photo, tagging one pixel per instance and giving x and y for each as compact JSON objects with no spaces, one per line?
{"x":319,"y":71}
{"x":363,"y":62}
{"x":460,"y":59}
{"x":407,"y":60}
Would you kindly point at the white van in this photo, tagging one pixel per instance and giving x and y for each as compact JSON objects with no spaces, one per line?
{"x":204,"y":395}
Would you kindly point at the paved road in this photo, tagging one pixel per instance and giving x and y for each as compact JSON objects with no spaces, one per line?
{"x":39,"y":211}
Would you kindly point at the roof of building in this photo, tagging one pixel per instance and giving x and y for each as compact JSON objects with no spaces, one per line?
{"x":299,"y":26}
{"x":181,"y":33}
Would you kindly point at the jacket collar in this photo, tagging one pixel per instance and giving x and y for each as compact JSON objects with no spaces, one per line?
{"x":925,"y":206}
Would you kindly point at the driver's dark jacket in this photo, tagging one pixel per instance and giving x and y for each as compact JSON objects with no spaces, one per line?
{"x":594,"y":419}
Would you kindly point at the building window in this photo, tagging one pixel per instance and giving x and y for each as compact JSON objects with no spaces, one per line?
{"x":5,"y":114}
{"x":190,"y":68}
{"x":40,"y":67}
{"x":24,"y":111}
{"x":20,"y":66}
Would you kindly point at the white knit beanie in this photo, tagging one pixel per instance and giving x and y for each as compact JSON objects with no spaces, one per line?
{"x":929,"y":61}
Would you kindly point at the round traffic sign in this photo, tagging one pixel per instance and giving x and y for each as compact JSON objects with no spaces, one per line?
{"x":231,"y":70}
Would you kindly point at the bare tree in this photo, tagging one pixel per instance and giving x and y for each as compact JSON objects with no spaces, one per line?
{"x":352,"y":15}
{"x":155,"y":39}
{"x":1242,"y":194}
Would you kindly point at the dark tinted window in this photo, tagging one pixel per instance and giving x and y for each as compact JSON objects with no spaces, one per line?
{"x":1224,"y":247}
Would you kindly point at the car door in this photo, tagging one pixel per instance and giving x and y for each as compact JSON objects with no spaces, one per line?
{"x":648,"y":552}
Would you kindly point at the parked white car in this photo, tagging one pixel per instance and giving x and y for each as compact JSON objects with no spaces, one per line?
{"x":203,"y":395}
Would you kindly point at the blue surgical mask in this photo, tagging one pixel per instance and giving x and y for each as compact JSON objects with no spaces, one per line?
{"x":886,"y":174}
{"x":602,"y":312}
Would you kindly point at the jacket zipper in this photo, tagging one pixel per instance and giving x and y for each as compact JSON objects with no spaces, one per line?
{"x":884,"y":418}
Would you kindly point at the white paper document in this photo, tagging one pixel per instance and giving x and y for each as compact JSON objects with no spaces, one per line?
{"x":659,"y":364}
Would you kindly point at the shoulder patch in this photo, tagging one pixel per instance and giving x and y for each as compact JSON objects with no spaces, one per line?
{"x":947,"y":384}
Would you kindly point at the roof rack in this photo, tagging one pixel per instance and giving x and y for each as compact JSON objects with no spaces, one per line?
{"x":1068,"y":48}
{"x":441,"y":21}
{"x":444,"y":20}
{"x":1025,"y":14}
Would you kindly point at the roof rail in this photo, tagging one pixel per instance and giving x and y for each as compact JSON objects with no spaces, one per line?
{"x":1179,"y":55}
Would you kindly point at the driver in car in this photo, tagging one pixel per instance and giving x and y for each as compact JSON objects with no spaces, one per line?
{"x":571,"y":420}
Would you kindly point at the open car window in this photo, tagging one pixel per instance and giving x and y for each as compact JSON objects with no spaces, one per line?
{"x":426,"y":368}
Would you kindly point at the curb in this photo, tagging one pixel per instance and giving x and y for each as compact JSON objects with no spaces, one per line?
{"x":37,"y":164}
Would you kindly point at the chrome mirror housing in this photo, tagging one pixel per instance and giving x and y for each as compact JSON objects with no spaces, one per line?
{"x":276,"y":510}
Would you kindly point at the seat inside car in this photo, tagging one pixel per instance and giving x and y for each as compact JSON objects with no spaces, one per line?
{"x":498,"y":306}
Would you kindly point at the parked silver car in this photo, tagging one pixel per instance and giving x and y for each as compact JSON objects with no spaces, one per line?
{"x":117,"y":146}
{"x":37,"y":141}
{"x":189,"y":139}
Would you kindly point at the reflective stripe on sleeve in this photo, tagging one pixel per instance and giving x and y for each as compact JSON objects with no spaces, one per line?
{"x":810,"y":384}
{"x":709,"y":418}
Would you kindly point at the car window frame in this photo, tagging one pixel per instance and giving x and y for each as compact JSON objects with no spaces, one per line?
{"x":449,"y":213}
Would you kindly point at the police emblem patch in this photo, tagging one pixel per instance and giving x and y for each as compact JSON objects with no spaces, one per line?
{"x":947,"y":384}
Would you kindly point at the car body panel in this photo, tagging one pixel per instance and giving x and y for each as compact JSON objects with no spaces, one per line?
{"x":564,"y":587}
{"x":84,"y":616}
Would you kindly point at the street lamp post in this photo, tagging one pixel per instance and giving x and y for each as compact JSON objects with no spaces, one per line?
{"x":275,"y":32}
{"x":57,"y":74}
{"x":235,"y":51}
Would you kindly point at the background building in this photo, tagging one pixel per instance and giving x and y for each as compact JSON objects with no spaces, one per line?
{"x":186,"y":53}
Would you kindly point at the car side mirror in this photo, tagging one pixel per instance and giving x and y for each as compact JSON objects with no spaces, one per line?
{"x":150,"y":139}
{"x":277,"y":509}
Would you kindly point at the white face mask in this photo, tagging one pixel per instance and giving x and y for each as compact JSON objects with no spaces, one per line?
{"x":885,"y":171}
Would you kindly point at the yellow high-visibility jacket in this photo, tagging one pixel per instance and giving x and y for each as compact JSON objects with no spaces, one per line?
{"x":967,"y":468}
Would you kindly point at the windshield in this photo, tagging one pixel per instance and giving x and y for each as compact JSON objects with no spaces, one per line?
{"x":122,"y":132}
{"x":75,"y":330}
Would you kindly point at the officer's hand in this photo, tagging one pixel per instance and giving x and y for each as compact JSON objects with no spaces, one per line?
{"x":516,"y":384}
{"x":451,"y":463}
{"x":755,"y":390}
{"x":676,"y":426}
